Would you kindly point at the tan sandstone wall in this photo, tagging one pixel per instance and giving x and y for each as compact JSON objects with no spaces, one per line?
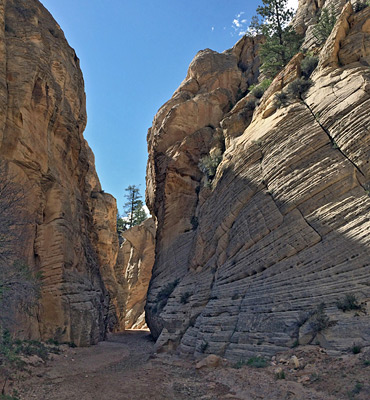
{"x":307,"y":16}
{"x":134,"y":266}
{"x":42,"y":119}
{"x":243,"y":264}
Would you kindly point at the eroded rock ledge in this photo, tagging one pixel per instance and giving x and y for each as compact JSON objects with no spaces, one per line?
{"x":245,"y":266}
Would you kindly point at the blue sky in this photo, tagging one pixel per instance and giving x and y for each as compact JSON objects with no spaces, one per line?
{"x":134,"y":54}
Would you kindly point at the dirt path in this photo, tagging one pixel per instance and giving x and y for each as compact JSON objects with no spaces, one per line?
{"x":126,"y":368}
{"x":117,"y":369}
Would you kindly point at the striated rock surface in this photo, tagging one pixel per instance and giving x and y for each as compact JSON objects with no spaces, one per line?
{"x":69,"y":231}
{"x":103,"y":208}
{"x":134,"y":267}
{"x":257,"y":260}
{"x":308,"y":13}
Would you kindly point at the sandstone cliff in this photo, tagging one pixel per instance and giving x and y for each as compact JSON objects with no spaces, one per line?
{"x":134,"y":267}
{"x":307,"y":17}
{"x":253,"y":261}
{"x":69,"y":231}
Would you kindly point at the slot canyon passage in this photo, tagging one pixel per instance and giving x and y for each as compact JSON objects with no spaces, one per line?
{"x":253,"y":272}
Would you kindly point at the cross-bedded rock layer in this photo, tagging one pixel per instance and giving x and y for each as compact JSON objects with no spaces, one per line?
{"x":251,"y":262}
{"x":134,"y":267}
{"x":69,"y":232}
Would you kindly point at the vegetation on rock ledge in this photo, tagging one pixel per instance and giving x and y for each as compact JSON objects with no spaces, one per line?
{"x":282,"y":42}
{"x":208,"y":164}
{"x":325,"y":24}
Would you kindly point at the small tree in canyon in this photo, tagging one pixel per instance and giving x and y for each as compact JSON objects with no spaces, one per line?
{"x":133,"y":208}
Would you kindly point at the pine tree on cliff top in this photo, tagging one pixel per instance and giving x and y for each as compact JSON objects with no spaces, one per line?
{"x":134,"y":207}
{"x":282,"y":42}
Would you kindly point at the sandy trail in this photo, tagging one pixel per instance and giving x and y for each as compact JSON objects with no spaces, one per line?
{"x":117,"y":369}
{"x":125,"y":367}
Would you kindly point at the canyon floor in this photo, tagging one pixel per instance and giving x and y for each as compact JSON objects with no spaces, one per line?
{"x":127,"y":367}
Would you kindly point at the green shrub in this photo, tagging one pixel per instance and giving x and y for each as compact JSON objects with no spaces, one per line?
{"x":319,"y":319}
{"x":356,"y":390}
{"x":194,"y":222}
{"x":31,"y":348}
{"x":308,"y":65}
{"x":250,"y":105}
{"x":53,"y":342}
{"x":260,"y":89}
{"x":208,"y":164}
{"x":185,"y":297}
{"x":11,"y":353}
{"x":280,"y":375}
{"x":296,"y":88}
{"x":257,"y":362}
{"x":257,"y":92}
{"x":281,"y":99}
{"x":361,"y":5}
{"x":325,"y":24}
{"x":239,"y":364}
{"x":315,"y":377}
{"x":348,"y":303}
{"x":356,"y":349}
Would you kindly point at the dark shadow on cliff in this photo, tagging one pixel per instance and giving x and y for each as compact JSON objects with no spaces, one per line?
{"x":276,"y":242}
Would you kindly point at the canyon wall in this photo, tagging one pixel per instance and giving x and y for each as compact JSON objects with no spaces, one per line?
{"x":69,"y":221}
{"x":256,"y":258}
{"x":134,"y":267}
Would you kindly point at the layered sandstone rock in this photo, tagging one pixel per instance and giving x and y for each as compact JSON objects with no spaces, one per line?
{"x":104,"y":235}
{"x":134,"y":267}
{"x":307,"y":16}
{"x":42,"y":119}
{"x":70,"y":235}
{"x":257,"y":260}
